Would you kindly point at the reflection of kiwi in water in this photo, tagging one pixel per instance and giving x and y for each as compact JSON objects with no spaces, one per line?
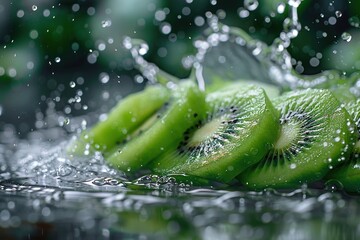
{"x":153,"y":222}
{"x":126,"y":117}
{"x":348,"y":174}
{"x":237,"y":132}
{"x":315,"y":137}
{"x":184,"y":109}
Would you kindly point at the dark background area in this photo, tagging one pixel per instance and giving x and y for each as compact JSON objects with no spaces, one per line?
{"x":67,"y":56}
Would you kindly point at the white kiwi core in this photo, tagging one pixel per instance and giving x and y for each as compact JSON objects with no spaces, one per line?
{"x":289,"y":134}
{"x":205,"y":132}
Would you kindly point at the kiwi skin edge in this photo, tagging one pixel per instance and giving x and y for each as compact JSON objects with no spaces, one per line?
{"x":347,"y":175}
{"x":316,"y":161}
{"x":122,"y":120}
{"x":267,"y":127}
{"x":186,"y":107}
{"x":249,"y":146}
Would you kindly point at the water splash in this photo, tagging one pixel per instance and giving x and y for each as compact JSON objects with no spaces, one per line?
{"x":228,"y":54}
{"x":138,"y":48}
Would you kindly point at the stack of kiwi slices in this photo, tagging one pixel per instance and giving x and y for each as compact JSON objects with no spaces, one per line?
{"x":233,"y":134}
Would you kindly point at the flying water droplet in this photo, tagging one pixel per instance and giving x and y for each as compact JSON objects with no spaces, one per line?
{"x":34,"y":7}
{"x":281,"y":8}
{"x":106,"y":23}
{"x":57,"y":59}
{"x":251,"y":5}
{"x":354,"y":21}
{"x":294,"y":3}
{"x":338,"y":14}
{"x":333,"y":185}
{"x":346,"y":36}
{"x":104,"y":77}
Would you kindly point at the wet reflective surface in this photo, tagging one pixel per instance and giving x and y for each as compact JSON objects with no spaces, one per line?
{"x":45,"y":195}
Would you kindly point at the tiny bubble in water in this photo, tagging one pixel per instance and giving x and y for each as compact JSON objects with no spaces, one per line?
{"x":34,"y":7}
{"x":57,"y":59}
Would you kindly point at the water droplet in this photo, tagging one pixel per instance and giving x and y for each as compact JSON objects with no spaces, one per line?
{"x":294,"y":3}
{"x":243,"y":13}
{"x":104,"y":77}
{"x":72,"y":84}
{"x":57,"y":59}
{"x":280,"y":8}
{"x":160,"y":15}
{"x":251,"y":5}
{"x":106,"y":23}
{"x":354,"y":21}
{"x":338,"y":14}
{"x":346,"y":36}
{"x":213,"y":2}
{"x":292,"y":166}
{"x":66,"y":121}
{"x":291,"y":28}
{"x":332,"y":20}
{"x":34,"y":7}
{"x":333,"y":185}
{"x":165,"y":28}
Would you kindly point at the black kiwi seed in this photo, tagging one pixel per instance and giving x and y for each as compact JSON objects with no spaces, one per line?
{"x":314,"y":138}
{"x":222,"y":144}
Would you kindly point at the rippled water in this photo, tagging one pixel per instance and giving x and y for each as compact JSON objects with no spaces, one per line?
{"x":45,"y":195}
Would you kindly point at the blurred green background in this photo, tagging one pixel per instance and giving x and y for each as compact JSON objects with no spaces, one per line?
{"x":68,"y":56}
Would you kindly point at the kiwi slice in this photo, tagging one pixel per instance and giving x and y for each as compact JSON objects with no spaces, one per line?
{"x":341,"y":87}
{"x":315,"y":137}
{"x":126,"y":117}
{"x":185,"y":108}
{"x":237,"y":131}
{"x":348,"y":174}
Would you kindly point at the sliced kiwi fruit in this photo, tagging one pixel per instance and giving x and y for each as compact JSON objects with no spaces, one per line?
{"x":184,"y":109}
{"x":348,"y":174}
{"x":315,"y":137}
{"x":237,"y":131}
{"x":340,"y":86}
{"x":126,"y":117}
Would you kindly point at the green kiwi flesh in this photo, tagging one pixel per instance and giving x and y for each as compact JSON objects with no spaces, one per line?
{"x":348,"y":174}
{"x":340,"y":86}
{"x":315,"y":137}
{"x":186,"y":106}
{"x":237,"y":131}
{"x":128,"y":115}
